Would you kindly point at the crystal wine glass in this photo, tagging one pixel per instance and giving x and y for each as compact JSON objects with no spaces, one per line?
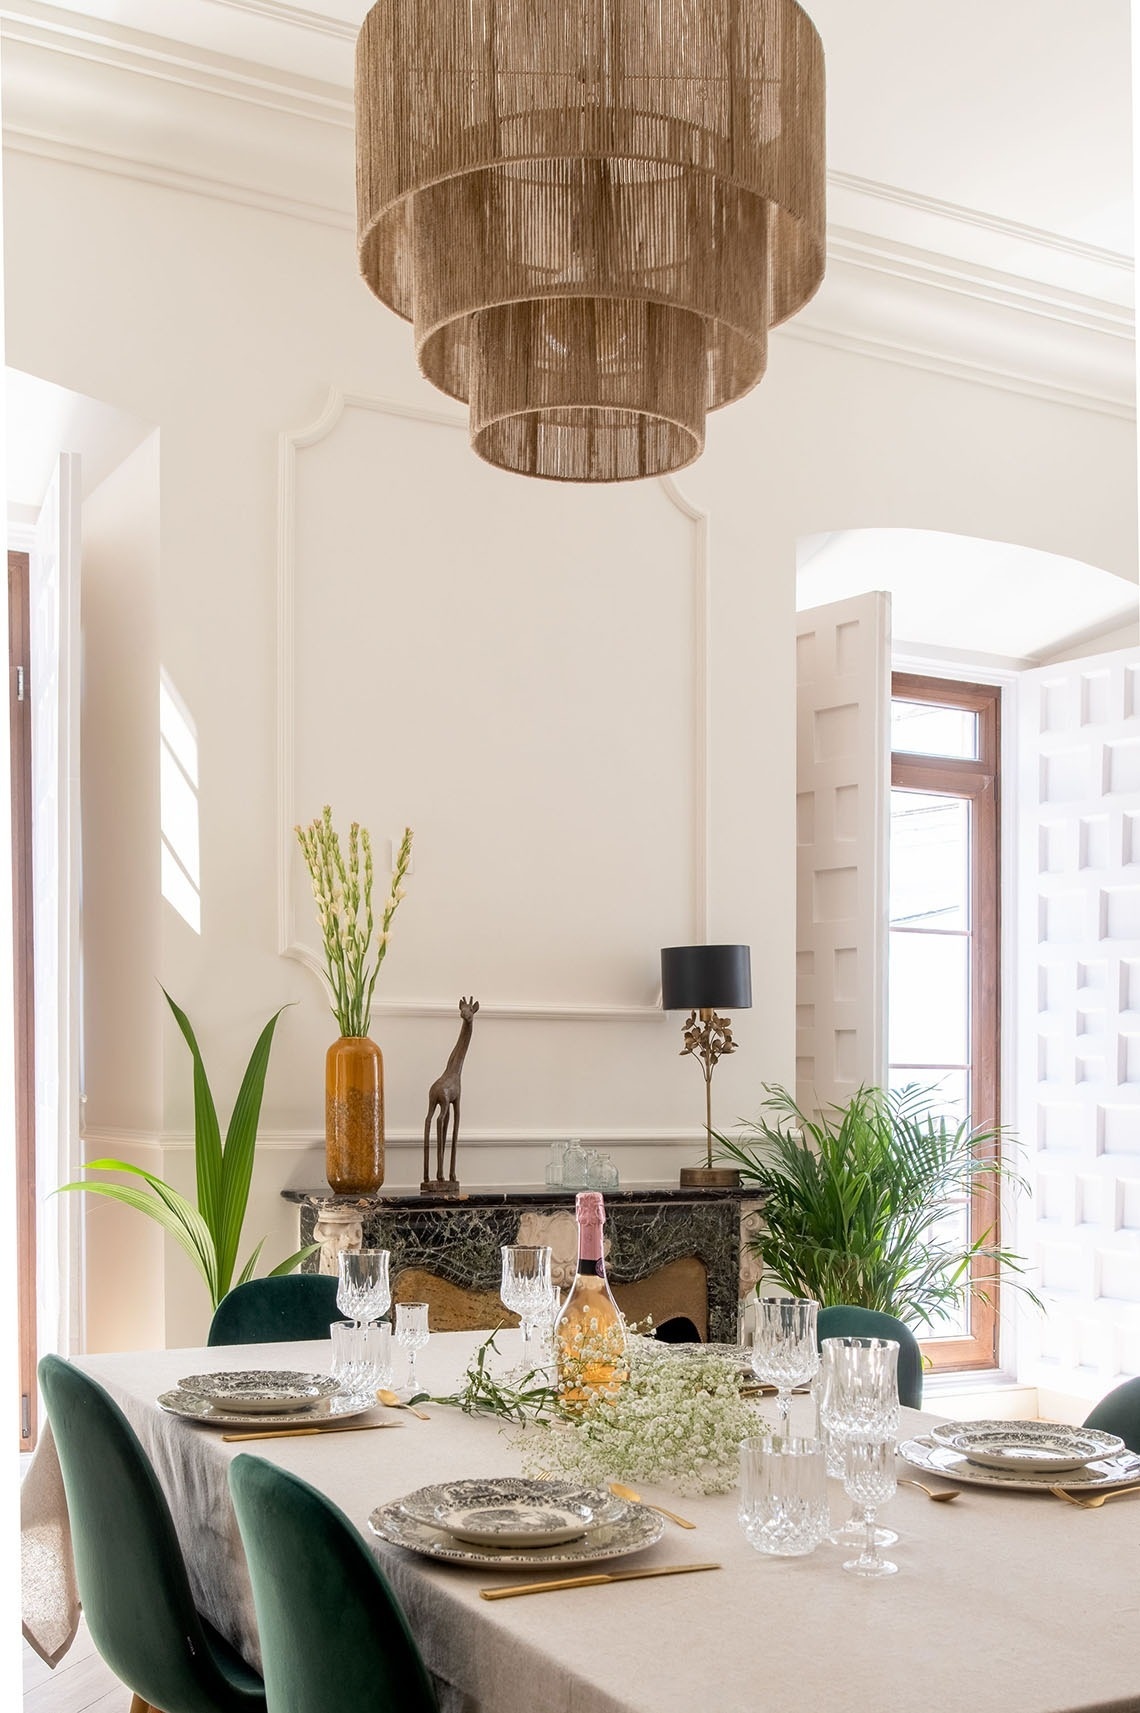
{"x":869,"y":1481}
{"x":525,"y":1290}
{"x":859,"y":1400}
{"x":784,"y":1348}
{"x":363,"y":1292}
{"x":412,"y":1335}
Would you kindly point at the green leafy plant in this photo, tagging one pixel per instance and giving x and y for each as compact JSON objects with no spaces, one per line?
{"x":863,"y":1205}
{"x":210,"y":1233}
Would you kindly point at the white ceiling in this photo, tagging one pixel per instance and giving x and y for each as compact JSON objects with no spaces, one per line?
{"x":1018,"y":109}
{"x":953,"y":592}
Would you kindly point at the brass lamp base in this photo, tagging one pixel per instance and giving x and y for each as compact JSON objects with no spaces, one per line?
{"x":709,"y":1177}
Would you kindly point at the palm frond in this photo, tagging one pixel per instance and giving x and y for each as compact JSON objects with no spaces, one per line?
{"x":859,"y":1201}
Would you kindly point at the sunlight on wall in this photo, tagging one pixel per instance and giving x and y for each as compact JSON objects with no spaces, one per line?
{"x":178,"y":788}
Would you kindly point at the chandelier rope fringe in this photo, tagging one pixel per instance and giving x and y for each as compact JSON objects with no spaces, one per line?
{"x":592,"y":211}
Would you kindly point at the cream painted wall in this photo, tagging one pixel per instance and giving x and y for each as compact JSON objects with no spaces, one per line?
{"x":225,"y":327}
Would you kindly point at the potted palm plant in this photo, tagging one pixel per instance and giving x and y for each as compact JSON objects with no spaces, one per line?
{"x":863,"y":1203}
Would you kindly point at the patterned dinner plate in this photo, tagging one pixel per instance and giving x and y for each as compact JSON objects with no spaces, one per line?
{"x":194,"y":1408}
{"x":261,"y":1390}
{"x":1037,"y":1448}
{"x":513,"y":1511}
{"x":620,"y":1530}
{"x":924,"y":1452}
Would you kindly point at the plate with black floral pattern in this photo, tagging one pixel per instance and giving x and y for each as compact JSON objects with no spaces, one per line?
{"x":501,"y":1511}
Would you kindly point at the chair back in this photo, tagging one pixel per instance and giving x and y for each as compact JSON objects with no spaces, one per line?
{"x":332,"y":1634}
{"x":1119,"y":1412}
{"x":129,"y":1567}
{"x":844,"y":1321}
{"x":284,"y":1310}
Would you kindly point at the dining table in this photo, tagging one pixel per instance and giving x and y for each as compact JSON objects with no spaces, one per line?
{"x":1004,"y":1602}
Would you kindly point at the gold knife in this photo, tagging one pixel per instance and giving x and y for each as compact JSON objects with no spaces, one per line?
{"x":595,"y":1581}
{"x":296,"y":1433}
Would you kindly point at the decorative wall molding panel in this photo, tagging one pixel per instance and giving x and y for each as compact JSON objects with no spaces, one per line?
{"x":617,"y":856}
{"x":302,"y":1140}
{"x":265,"y":120}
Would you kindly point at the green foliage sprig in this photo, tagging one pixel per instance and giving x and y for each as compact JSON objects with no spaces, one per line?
{"x":354,"y":946}
{"x":210,"y":1233}
{"x":529,"y":1398}
{"x":862,"y":1205}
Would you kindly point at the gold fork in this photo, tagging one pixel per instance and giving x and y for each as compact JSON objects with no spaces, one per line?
{"x":1094,"y":1500}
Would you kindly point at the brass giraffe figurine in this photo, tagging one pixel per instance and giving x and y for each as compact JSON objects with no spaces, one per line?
{"x":443,"y":1106}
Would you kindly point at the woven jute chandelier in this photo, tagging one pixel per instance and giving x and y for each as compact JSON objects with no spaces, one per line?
{"x":592,"y":212}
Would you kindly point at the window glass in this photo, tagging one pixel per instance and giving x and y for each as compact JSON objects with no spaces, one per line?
{"x":929,"y":999}
{"x":930,"y":861}
{"x":922,"y":728}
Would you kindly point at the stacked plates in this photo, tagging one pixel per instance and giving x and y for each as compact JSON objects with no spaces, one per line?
{"x":251,"y":1396}
{"x":1025,"y":1455}
{"x":515,"y":1522}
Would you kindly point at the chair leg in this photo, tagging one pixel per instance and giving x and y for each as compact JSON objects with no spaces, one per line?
{"x":138,"y":1705}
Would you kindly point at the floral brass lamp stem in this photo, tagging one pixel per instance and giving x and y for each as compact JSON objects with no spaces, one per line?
{"x":708,"y":1040}
{"x":700,"y":979}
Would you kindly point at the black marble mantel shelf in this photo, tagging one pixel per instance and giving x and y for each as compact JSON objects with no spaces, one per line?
{"x":654,"y":1232}
{"x":540,"y":1195}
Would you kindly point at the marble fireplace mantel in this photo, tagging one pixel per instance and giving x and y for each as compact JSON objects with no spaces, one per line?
{"x":671,"y":1250}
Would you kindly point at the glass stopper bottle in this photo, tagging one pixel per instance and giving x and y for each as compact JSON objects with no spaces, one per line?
{"x":589,"y":1334}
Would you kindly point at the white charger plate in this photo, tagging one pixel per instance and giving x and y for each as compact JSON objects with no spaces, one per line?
{"x":1037,"y":1448}
{"x":925,"y":1452}
{"x":193,"y":1408}
{"x":262,"y":1390}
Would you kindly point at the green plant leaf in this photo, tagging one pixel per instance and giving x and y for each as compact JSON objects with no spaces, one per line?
{"x":247,"y":1271}
{"x":171,"y":1210}
{"x":207,"y":1133}
{"x":292,"y":1261}
{"x":237,"y":1159}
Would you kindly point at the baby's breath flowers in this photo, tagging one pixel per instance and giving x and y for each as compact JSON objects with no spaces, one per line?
{"x":675,"y":1421}
{"x":354,"y":947}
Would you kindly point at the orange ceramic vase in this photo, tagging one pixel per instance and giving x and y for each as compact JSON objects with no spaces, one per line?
{"x":354,"y":1116}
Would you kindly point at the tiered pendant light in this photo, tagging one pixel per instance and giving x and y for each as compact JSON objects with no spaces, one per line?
{"x":592,"y":211}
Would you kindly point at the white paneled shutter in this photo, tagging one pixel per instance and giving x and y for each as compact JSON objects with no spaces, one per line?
{"x":843,"y":698}
{"x":1079,"y":1009}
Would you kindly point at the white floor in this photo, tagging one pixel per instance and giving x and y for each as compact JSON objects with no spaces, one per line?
{"x":80,"y":1683}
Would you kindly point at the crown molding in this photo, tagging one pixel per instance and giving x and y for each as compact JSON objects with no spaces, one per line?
{"x":910,"y":279}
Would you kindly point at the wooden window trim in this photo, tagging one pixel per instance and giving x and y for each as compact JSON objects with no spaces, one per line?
{"x":979,"y":783}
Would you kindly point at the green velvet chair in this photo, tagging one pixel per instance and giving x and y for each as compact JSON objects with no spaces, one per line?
{"x":276,"y":1311}
{"x":1119,"y":1412}
{"x":129,"y":1568}
{"x":844,"y":1322}
{"x":333,"y":1637}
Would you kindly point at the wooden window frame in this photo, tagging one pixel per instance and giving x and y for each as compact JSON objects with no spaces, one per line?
{"x":979,"y":783}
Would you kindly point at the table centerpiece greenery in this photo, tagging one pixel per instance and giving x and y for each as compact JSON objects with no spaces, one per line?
{"x":210,"y":1232}
{"x":670,"y":1420}
{"x":863,"y":1203}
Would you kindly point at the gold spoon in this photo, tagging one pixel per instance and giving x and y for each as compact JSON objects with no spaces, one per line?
{"x":941,"y":1495}
{"x":395,"y":1403}
{"x":621,"y":1492}
{"x":1094,"y":1500}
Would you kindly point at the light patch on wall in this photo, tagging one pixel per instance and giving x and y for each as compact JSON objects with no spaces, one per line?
{"x":178,"y":797}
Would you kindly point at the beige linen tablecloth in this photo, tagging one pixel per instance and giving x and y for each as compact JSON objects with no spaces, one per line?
{"x":1004,"y":1602}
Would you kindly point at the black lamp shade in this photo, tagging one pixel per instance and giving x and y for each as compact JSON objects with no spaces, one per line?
{"x":716,"y":978}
